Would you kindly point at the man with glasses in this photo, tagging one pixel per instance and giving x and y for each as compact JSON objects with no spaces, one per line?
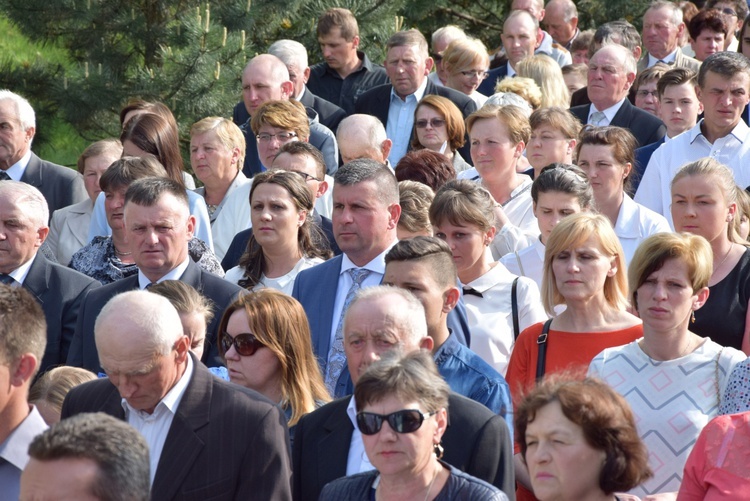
{"x":158,"y":226}
{"x":207,"y":438}
{"x":328,"y":444}
{"x":441,"y":39}
{"x":266,"y":78}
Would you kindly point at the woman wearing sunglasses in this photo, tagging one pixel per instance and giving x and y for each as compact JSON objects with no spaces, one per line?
{"x":402,"y":413}
{"x":439,"y":127}
{"x":264,"y":338}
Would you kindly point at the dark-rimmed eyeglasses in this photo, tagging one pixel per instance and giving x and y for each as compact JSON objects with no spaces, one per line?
{"x":305,"y":176}
{"x":728,"y":11}
{"x":245,"y":344}
{"x":481,"y":74}
{"x":404,"y":421}
{"x":434,"y":123}
{"x":436,"y":57}
{"x":283,"y":137}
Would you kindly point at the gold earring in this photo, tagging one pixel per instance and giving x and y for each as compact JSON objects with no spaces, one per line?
{"x":692,"y":317}
{"x":438,"y":450}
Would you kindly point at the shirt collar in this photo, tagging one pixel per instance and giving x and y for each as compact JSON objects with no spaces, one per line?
{"x":15,"y":448}
{"x":740,"y":131}
{"x":448,"y":348}
{"x":351,"y":411}
{"x":511,"y":72}
{"x":669,"y":59}
{"x":299,"y":98}
{"x":16,"y":170}
{"x":498,"y":273}
{"x":608,"y":112}
{"x":173,"y":274}
{"x":172,"y":399}
{"x":20,"y":273}
{"x":377,"y":265}
{"x":418,"y":94}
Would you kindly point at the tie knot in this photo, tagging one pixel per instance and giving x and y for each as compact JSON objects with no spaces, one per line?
{"x":358,"y":275}
{"x":6,"y":279}
{"x":4,"y":176}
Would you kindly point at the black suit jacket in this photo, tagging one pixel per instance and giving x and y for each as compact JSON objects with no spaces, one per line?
{"x":226,"y":442}
{"x":643,"y":125}
{"x":377,"y":102}
{"x":59,"y":185}
{"x":60,"y":291}
{"x":221,"y":293}
{"x":239,"y":243}
{"x":476,"y":441}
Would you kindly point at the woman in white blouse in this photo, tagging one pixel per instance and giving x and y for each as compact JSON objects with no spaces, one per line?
{"x":607,"y":156}
{"x":281,"y":244}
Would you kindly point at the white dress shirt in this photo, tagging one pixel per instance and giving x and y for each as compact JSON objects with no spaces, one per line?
{"x":284,"y":283}
{"x":528,"y":262}
{"x":19,"y":274}
{"x":520,"y":208}
{"x":401,"y":121}
{"x":490,"y":316}
{"x":174,"y":274}
{"x":636,"y":222}
{"x":609,"y":113}
{"x":357,"y":460}
{"x":732,"y":150}
{"x":155,"y":426}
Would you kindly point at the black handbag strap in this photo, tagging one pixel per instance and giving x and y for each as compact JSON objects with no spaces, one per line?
{"x":541,"y":343}
{"x":514,"y":308}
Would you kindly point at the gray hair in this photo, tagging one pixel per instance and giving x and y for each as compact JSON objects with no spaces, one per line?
{"x":726,"y":64}
{"x":360,"y":127}
{"x":674,"y":10}
{"x":24,"y":110}
{"x":409,"y":317}
{"x":119,"y":451}
{"x":450,"y":32}
{"x":509,"y":99}
{"x":569,"y":9}
{"x":618,"y":32}
{"x":366,"y":169}
{"x":629,"y":63}
{"x":291,"y":53}
{"x":31,"y":198}
{"x":153,"y":315}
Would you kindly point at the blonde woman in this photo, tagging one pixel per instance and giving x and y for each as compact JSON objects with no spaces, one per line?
{"x":548,"y":76}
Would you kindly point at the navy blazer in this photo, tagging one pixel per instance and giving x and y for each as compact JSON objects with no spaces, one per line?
{"x":59,"y":185}
{"x":642,"y":157}
{"x":226,"y":442}
{"x":377,"y":102}
{"x":643,"y":125}
{"x":239,"y":243}
{"x":487,"y":87}
{"x":316,"y":287}
{"x":60,"y":291}
{"x":221,"y":293}
{"x":476,"y":441}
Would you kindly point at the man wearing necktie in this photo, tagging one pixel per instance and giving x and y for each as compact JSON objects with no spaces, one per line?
{"x":662,"y":28}
{"x":59,"y":290}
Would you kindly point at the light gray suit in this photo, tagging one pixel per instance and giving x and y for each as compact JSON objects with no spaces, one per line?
{"x":680,"y":61}
{"x":69,"y":229}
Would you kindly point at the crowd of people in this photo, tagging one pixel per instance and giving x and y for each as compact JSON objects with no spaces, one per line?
{"x":466,"y":273}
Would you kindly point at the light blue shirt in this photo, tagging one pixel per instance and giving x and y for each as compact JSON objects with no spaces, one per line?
{"x":100,"y":228}
{"x":15,"y":171}
{"x":401,"y":121}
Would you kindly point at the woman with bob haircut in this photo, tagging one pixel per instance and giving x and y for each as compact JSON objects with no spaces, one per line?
{"x":426,"y":167}
{"x":282,"y":243}
{"x":439,"y":127}
{"x":462,"y":214}
{"x":548,"y":76}
{"x":276,"y":123}
{"x":466,"y":61}
{"x":704,"y":203}
{"x":579,"y":441}
{"x":264,"y":338}
{"x":668,"y":283}
{"x":498,"y":137}
{"x":607,"y":156}
{"x":402,"y":406}
{"x":554,"y":135}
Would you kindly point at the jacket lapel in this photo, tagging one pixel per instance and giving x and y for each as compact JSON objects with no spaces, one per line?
{"x":335,"y":443}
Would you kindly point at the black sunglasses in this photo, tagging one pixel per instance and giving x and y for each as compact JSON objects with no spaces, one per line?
{"x":244,"y":344}
{"x":405,"y":421}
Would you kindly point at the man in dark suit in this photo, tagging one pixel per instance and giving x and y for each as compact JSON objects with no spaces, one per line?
{"x":59,"y":290}
{"x":407,"y":63}
{"x":208,"y":439}
{"x":327,"y":444}
{"x":159,"y":226}
{"x":611,"y":74}
{"x":59,"y":185}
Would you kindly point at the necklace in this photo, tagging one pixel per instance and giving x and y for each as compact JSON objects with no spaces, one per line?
{"x":725,"y":257}
{"x":642,"y":345}
{"x":429,"y":487}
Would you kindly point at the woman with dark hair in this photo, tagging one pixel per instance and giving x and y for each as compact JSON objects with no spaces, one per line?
{"x":282,"y":243}
{"x":579,"y":441}
{"x":264,"y":338}
{"x":439,"y":127}
{"x":672,"y":378}
{"x":426,"y":167}
{"x":607,"y":156}
{"x":744,"y":40}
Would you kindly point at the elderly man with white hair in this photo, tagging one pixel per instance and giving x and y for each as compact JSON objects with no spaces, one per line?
{"x":363,"y":136}
{"x":59,"y":185}
{"x":58,"y":289}
{"x":206,"y":437}
{"x":441,"y":39}
{"x":380,"y":319}
{"x":561,"y":21}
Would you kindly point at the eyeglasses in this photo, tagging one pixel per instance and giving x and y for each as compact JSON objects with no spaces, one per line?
{"x":244,"y":344}
{"x":434,"y":123}
{"x":306,"y":176}
{"x":437,"y":57}
{"x":405,"y":421}
{"x":646,"y":93}
{"x":281,"y":136}
{"x":480,"y":74}
{"x":728,"y":11}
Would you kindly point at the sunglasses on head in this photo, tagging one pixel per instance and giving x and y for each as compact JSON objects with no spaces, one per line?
{"x":405,"y":421}
{"x":244,"y":344}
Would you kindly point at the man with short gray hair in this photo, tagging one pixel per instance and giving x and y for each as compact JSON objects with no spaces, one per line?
{"x":441,"y":38}
{"x":380,"y":319}
{"x":60,"y":186}
{"x":59,"y":290}
{"x":363,"y":136}
{"x":561,"y":21}
{"x":88,"y":456}
{"x":207,"y":438}
{"x":662,"y":28}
